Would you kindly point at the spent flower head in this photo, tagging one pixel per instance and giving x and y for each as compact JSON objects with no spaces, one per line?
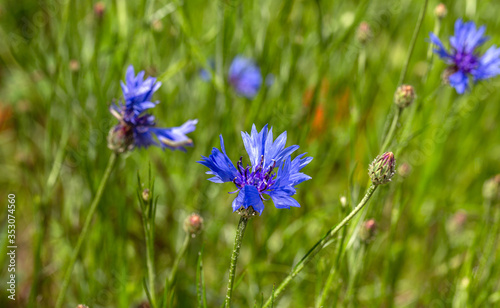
{"x":382,"y":169}
{"x":245,"y":77}
{"x":136,"y":127}
{"x":463,"y":59}
{"x":272,"y":171}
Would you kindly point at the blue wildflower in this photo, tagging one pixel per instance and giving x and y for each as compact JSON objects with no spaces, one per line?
{"x":272,"y":171}
{"x":138,"y":128}
{"x":245,"y":77}
{"x":463,"y":58}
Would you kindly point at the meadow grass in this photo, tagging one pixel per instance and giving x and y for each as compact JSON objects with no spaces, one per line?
{"x":436,"y":243}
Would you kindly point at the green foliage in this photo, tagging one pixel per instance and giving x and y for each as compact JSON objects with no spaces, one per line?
{"x":436,"y":242}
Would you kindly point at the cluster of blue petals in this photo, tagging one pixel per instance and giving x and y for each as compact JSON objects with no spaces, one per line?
{"x":137,"y":94}
{"x":463,"y":58}
{"x":245,"y":77}
{"x":272,"y":171}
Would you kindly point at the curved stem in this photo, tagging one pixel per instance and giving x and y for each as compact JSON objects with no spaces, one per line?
{"x":413,"y":42}
{"x":234,"y":258}
{"x":321,"y":243}
{"x":83,"y":234}
{"x":170,"y":279}
{"x":392,"y":130}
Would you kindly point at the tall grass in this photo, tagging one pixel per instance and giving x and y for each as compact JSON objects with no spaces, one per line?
{"x":437,"y":238}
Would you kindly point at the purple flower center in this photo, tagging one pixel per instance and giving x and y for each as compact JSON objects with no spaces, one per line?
{"x":261,"y":178}
{"x":464,"y":61}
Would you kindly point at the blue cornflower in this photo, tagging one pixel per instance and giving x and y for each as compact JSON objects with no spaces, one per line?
{"x":245,"y":77}
{"x":272,"y":173}
{"x":463,"y":58}
{"x":138,"y":128}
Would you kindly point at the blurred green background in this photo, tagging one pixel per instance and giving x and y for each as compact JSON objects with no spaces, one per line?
{"x":61,"y":62}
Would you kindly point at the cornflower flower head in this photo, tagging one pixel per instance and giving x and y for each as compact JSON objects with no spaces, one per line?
{"x":245,"y":77}
{"x":272,"y":171}
{"x":136,"y":127}
{"x":463,"y":59}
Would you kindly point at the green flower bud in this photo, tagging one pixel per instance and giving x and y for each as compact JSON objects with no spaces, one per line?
{"x":121,"y":138}
{"x":440,"y":11}
{"x":368,"y":230}
{"x":491,"y":189}
{"x":146,"y":194}
{"x":193,"y":224}
{"x":404,"y":96}
{"x":382,"y":169}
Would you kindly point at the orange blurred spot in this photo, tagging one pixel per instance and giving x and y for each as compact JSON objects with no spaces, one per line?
{"x":5,"y":115}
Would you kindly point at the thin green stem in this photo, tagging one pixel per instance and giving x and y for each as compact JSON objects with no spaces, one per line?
{"x":149,"y":236}
{"x":169,"y":283}
{"x":333,"y":270}
{"x":234,"y":258}
{"x":413,"y":42}
{"x":321,"y":243}
{"x":392,"y":130}
{"x":83,"y":234}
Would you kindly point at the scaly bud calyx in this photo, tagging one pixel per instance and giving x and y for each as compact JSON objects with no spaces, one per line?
{"x":404,"y":96}
{"x":382,"y":169}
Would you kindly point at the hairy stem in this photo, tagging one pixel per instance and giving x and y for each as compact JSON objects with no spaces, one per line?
{"x":234,"y":258}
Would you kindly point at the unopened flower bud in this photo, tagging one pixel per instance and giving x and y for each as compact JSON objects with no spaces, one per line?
{"x":404,"y":170}
{"x":367,"y":231}
{"x":121,"y":138}
{"x":382,"y":169}
{"x":99,"y":9}
{"x":146,"y":195}
{"x":404,"y":96}
{"x":491,"y":189}
{"x":193,"y":224}
{"x":364,"y":33}
{"x":440,"y":11}
{"x":82,"y":306}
